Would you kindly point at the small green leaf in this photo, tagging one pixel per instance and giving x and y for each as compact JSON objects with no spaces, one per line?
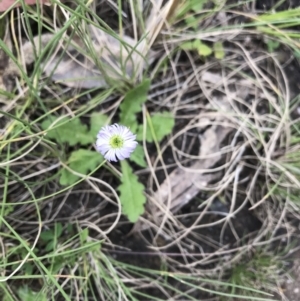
{"x":70,"y":228}
{"x":83,"y":234}
{"x":82,"y":161}
{"x":188,"y":45}
{"x":190,"y":5}
{"x":67,"y":130}
{"x":50,"y":246}
{"x":192,"y":22}
{"x":58,"y":263}
{"x":132,"y":103}
{"x":138,"y":156}
{"x":197,"y":5}
{"x":47,"y":235}
{"x":131,"y":193}
{"x":26,"y":294}
{"x":219,"y":50}
{"x":58,"y":229}
{"x":98,"y":120}
{"x":204,"y":49}
{"x":28,"y":268}
{"x":157,"y":120}
{"x":272,"y":45}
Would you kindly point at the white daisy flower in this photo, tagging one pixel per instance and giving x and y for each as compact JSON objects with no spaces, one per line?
{"x":115,"y":142}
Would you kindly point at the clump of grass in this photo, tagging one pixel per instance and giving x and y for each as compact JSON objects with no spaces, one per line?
{"x":262,"y":269}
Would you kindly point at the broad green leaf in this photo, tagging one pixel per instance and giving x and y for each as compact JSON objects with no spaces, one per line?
{"x":98,"y":120}
{"x":132,"y":104}
{"x":138,"y":156}
{"x":67,"y":130}
{"x":162,"y":124}
{"x":140,"y":132}
{"x":82,"y":161}
{"x":219,"y":50}
{"x":131,"y":193}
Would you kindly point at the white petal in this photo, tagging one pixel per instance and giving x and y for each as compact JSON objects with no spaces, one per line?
{"x":130,"y":144}
{"x":103,"y":135}
{"x":111,"y":155}
{"x":103,"y":149}
{"x":129,"y":136}
{"x":101,"y":141}
{"x":121,"y":154}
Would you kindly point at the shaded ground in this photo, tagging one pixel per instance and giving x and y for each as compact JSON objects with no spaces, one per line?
{"x":269,"y":4}
{"x":292,"y":286}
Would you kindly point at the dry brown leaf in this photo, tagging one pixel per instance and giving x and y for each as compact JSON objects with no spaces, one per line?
{"x":185,"y":185}
{"x":12,"y":70}
{"x":78,"y":65}
{"x":116,"y":61}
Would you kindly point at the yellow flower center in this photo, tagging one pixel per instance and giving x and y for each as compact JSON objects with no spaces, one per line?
{"x":116,"y":141}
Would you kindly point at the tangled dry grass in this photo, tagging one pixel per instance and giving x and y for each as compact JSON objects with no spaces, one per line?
{"x":221,"y":189}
